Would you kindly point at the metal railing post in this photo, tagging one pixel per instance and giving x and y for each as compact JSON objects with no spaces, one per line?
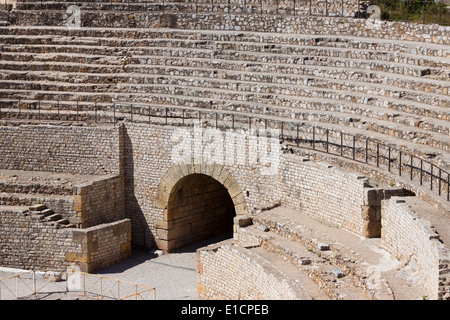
{"x":166,"y":115}
{"x":440,"y":180}
{"x":378,"y":154}
{"x":34,"y":282}
{"x":114,"y":113}
{"x":448,"y":186}
{"x":431,"y":177}
{"x":389,"y":159}
{"x":421,"y":171}
{"x":314,"y":138}
{"x":354,"y":147}
{"x":367,"y":150}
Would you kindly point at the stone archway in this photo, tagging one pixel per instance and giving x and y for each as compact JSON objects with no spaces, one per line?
{"x":198,"y":201}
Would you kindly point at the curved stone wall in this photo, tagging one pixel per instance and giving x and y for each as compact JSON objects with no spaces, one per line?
{"x":413,"y":240}
{"x":229,"y":272}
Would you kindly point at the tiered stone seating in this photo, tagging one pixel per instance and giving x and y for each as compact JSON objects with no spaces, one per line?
{"x":328,"y":263}
{"x":396,"y":92}
{"x":48,"y":191}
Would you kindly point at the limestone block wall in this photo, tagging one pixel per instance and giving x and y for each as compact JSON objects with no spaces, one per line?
{"x":102,"y":245}
{"x":324,"y":191}
{"x":318,"y":25}
{"x":228,"y":272}
{"x":60,"y":204}
{"x":67,"y":149}
{"x":29,"y":243}
{"x":147,"y":165}
{"x":301,"y":23}
{"x":199,"y":207}
{"x":26,"y":242}
{"x":408,"y":237}
{"x":100,"y":202}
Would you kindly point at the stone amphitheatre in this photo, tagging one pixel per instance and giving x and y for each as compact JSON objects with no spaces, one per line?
{"x":313,"y":133}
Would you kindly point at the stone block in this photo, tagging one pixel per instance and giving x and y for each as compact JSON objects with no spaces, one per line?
{"x":38,"y":207}
{"x":323,"y":246}
{"x":373,"y":197}
{"x":53,"y":276}
{"x":242,"y":221}
{"x":304,"y":261}
{"x":338,"y":273}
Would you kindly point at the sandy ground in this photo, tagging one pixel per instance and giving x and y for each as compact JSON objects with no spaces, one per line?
{"x":172,"y":275}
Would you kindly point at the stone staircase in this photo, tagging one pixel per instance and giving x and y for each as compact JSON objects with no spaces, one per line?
{"x":327,"y":267}
{"x":395,"y":90}
{"x":41,"y":212}
{"x":40,"y":191}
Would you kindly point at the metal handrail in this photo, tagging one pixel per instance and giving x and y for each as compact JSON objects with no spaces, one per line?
{"x":87,"y":291}
{"x":313,"y":137}
{"x":139,"y":289}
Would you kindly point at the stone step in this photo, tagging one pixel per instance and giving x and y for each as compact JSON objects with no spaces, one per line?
{"x":159,"y":74}
{"x":342,"y":281}
{"x":328,"y":242}
{"x":226,"y":89}
{"x":47,"y":212}
{"x":215,"y":90}
{"x":417,"y":135}
{"x":421,"y":148}
{"x":53,"y":217}
{"x":302,"y":56}
{"x":62,"y":221}
{"x":313,"y":288}
{"x":341,"y":42}
{"x":389,"y":107}
{"x":236,"y":46}
{"x":38,"y":207}
{"x":33,"y":188}
{"x":295,"y":65}
{"x":309,"y":267}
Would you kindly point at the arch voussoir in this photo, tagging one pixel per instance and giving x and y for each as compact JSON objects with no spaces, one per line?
{"x":216,"y":171}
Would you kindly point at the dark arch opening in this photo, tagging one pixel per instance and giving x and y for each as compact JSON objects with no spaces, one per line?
{"x":199,"y":208}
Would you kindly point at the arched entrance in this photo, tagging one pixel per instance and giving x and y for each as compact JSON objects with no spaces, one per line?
{"x":198,"y":202}
{"x":199,"y":208}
